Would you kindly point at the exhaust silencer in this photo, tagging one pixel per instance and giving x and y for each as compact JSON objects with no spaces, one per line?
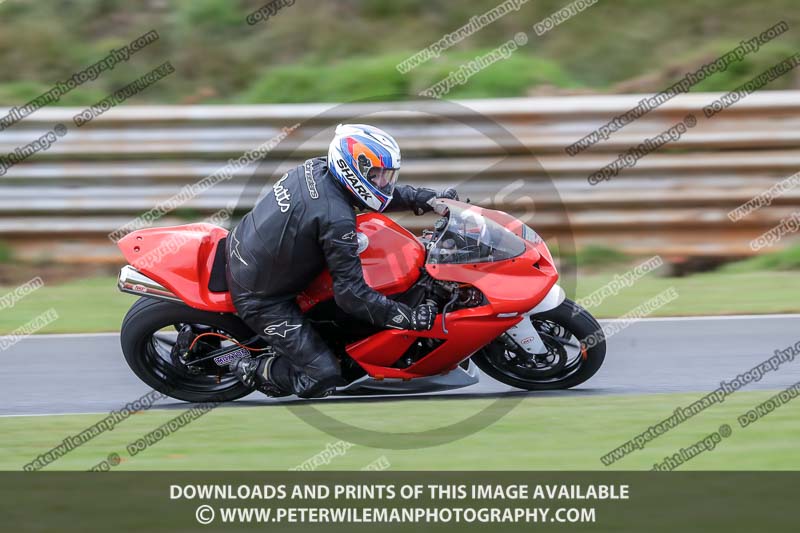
{"x":134,"y":282}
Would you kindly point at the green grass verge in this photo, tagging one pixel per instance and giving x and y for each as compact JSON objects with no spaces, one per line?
{"x":92,"y":305}
{"x":711,"y":293}
{"x":87,"y":305}
{"x":540,"y":432}
{"x":786,"y":259}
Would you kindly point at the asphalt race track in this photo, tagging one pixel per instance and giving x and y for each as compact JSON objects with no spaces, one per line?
{"x":58,"y":374}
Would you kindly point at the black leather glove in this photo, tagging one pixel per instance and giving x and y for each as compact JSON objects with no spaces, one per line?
{"x":422,"y":201}
{"x":422,"y":317}
{"x":449,"y":193}
{"x":424,"y":198}
{"x":419,"y":318}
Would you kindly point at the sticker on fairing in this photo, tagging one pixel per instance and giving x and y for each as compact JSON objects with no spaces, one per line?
{"x":228,"y":358}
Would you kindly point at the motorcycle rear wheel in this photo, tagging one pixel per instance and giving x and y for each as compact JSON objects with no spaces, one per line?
{"x":585,"y":339}
{"x":147,"y":351}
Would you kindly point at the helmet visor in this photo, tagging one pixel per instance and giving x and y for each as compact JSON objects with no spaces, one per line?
{"x":383,"y":179}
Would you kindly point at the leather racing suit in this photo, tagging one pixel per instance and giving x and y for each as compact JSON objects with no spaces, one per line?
{"x":305,"y":223}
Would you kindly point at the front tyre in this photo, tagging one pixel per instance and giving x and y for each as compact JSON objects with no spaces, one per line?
{"x":148,"y":334}
{"x":576,"y":349}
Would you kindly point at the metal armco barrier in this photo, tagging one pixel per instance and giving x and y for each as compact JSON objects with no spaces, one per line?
{"x":61,"y":203}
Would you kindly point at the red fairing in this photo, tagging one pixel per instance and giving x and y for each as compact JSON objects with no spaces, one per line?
{"x":179,"y":258}
{"x":392,"y":260}
{"x":513,"y":287}
{"x":468,"y":330}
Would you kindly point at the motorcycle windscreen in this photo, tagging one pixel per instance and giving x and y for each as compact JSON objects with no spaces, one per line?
{"x":470,"y":237}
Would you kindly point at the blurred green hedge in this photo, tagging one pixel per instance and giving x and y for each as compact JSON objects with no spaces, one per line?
{"x":348,"y":49}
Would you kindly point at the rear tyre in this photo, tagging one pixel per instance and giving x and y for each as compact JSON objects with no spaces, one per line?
{"x":147,"y":351}
{"x":576,"y":350}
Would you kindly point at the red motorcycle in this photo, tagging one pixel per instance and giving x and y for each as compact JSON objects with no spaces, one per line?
{"x":492,"y":278}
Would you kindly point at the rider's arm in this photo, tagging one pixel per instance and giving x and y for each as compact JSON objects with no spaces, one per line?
{"x":408,"y":198}
{"x":351,"y":292}
{"x":418,"y":200}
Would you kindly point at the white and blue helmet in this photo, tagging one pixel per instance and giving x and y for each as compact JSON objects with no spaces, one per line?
{"x":366,"y":160}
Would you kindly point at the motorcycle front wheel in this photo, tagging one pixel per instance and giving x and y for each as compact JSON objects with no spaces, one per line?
{"x":576,"y":347}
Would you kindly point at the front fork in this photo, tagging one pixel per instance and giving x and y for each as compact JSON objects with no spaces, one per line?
{"x":524,"y":335}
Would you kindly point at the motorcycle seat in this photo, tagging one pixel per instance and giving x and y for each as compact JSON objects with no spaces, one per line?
{"x":217,"y":281}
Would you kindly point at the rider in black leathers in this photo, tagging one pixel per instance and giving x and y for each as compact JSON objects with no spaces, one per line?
{"x":305,"y":223}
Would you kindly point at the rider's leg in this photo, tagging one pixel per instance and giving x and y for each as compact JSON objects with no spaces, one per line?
{"x":305,"y":365}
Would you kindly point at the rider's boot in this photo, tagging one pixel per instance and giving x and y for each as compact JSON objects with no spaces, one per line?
{"x":255,"y":373}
